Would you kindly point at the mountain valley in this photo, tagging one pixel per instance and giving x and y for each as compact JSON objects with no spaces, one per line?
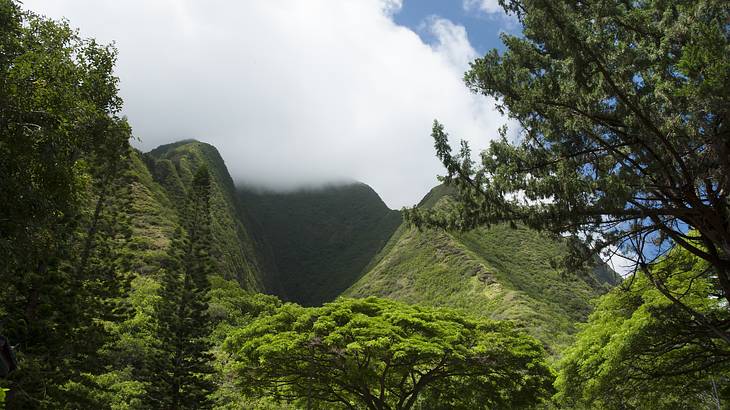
{"x":311,"y":246}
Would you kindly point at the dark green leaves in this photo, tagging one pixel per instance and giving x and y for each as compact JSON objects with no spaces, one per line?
{"x":622,"y":109}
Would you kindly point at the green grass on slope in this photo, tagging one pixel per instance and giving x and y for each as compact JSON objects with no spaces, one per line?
{"x":321,"y":239}
{"x":501,"y":273}
{"x":151,"y":216}
{"x":173,"y":166}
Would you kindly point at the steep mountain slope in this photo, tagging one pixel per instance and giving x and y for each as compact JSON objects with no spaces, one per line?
{"x":311,"y":246}
{"x":156,"y":186}
{"x":320,"y":240}
{"x":501,"y":272}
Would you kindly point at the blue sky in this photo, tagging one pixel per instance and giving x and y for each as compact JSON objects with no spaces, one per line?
{"x":482,"y":27}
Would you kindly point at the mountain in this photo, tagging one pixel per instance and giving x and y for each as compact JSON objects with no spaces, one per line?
{"x":320,"y":239}
{"x":311,"y":246}
{"x":156,"y":186}
{"x":501,"y":272}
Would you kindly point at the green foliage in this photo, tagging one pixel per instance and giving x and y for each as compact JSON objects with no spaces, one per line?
{"x":180,"y":365}
{"x":622,"y":108}
{"x":237,"y":254}
{"x":129,"y":279}
{"x":152,"y":215}
{"x":231,"y":308}
{"x":151,"y":211}
{"x":639,"y":350}
{"x":130,"y":348}
{"x":382,"y":354}
{"x":321,"y":240}
{"x":62,"y":146}
{"x":501,"y":272}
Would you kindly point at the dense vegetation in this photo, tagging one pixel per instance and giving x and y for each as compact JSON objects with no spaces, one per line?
{"x":320,"y":239}
{"x":623,"y":147}
{"x":235,"y":248}
{"x":62,"y":146}
{"x":623,"y":111}
{"x":101,"y":263}
{"x":640,"y":350}
{"x":379,"y":354}
{"x":501,"y":272}
{"x":132,"y":280}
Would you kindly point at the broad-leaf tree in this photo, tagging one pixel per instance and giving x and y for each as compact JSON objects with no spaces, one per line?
{"x":639,"y":350}
{"x":380,"y":354}
{"x":623,"y":138}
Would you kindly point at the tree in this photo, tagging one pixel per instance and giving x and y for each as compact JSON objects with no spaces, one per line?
{"x":639,"y":350}
{"x":231,"y":307}
{"x":61,"y":140}
{"x":623,"y":144}
{"x":380,"y":354}
{"x":179,"y":371}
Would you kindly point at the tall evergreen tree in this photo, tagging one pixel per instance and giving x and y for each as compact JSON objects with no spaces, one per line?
{"x":623,"y":110}
{"x":60,"y":140}
{"x":178,"y":374}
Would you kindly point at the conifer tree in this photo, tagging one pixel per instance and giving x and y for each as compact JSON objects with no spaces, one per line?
{"x":178,"y":372}
{"x":623,"y":141}
{"x":61,"y":137}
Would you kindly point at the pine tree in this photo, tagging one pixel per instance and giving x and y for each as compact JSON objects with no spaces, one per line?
{"x":178,"y":372}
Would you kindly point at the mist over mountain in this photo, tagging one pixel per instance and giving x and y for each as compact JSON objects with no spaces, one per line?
{"x":315,"y":244}
{"x":368,"y":204}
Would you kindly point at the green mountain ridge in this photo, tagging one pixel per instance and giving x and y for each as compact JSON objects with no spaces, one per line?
{"x":312,"y":246}
{"x":501,"y":273}
{"x":320,"y":239}
{"x":158,"y":182}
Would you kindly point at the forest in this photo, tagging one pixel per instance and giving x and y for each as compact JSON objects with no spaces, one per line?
{"x":154,"y":280}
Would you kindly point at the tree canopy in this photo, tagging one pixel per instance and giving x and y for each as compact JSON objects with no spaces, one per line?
{"x":639,"y":350}
{"x":179,"y":372}
{"x":381,"y":354}
{"x":62,"y":142}
{"x":623,"y":137}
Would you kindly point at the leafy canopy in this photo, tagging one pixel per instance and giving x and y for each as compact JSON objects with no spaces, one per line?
{"x":62,"y":142}
{"x":639,"y":350}
{"x":623,"y":115}
{"x":381,"y":354}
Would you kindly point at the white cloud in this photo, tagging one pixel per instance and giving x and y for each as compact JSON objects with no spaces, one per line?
{"x":391,"y":7}
{"x":619,"y":261}
{"x":492,"y":10}
{"x":487,"y":6}
{"x":451,"y":42}
{"x":291,"y":92}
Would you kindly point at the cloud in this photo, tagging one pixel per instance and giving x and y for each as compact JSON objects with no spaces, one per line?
{"x":451,"y":42}
{"x":391,"y":7}
{"x":493,"y":11}
{"x":487,"y":6}
{"x":291,"y":93}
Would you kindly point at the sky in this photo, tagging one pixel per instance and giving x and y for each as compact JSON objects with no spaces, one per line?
{"x":302,"y":93}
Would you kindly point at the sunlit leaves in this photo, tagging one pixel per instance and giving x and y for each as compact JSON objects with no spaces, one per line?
{"x":384,"y":354}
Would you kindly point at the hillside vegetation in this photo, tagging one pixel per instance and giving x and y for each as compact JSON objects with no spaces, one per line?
{"x":501,"y":272}
{"x":138,"y":280}
{"x":235,"y":249}
{"x":153,"y":194}
{"x":320,"y":239}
